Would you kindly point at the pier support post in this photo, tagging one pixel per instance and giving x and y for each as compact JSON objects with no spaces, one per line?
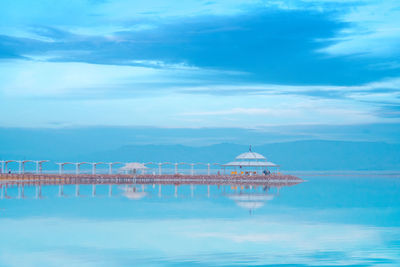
{"x":192,"y":190}
{"x":176,"y":191}
{"x":109,"y":168}
{"x":159,"y":190}
{"x":19,"y":166}
{"x":93,"y":190}
{"x":60,"y":168}
{"x":93,"y":168}
{"x":208,"y":191}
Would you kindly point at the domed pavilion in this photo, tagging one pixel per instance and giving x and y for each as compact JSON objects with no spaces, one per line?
{"x":251,"y":163}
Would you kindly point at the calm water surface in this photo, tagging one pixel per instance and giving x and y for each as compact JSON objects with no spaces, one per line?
{"x":326,"y":221}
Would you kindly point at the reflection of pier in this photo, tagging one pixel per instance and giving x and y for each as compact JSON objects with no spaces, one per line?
{"x":135,"y":187}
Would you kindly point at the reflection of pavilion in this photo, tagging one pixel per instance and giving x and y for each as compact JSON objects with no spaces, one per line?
{"x":250,"y":201}
{"x":133,"y":193}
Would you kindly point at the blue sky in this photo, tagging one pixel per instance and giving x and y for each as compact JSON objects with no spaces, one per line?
{"x":199,"y":63}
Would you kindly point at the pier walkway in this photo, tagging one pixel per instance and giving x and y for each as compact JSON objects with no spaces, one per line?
{"x":177,"y":179}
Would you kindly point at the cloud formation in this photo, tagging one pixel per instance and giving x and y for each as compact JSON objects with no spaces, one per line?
{"x":202,"y":63}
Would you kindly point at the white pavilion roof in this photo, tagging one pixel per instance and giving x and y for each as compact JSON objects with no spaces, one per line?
{"x":133,"y":166}
{"x":251,"y":164}
{"x":250,"y":159}
{"x":250,"y":155}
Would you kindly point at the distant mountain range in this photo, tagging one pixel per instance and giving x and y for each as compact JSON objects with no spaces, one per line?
{"x":297,"y":155}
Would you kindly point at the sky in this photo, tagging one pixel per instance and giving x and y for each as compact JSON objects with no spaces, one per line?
{"x":194,"y":64}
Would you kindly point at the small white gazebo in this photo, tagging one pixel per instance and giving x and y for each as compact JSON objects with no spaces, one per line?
{"x":133,"y":168}
{"x":250,"y":163}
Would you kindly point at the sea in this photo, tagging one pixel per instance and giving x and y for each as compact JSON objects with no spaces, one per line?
{"x":330,"y":219}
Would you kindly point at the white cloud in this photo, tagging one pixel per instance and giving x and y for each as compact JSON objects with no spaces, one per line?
{"x":243,"y":111}
{"x":20,"y":78}
{"x":154,"y":93}
{"x":373,"y":30}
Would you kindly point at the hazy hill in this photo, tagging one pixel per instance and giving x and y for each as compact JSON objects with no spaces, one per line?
{"x":104,"y":144}
{"x":300,"y":155}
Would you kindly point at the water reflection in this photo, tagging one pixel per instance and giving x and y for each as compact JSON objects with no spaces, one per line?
{"x":242,"y":193}
{"x":318,"y":223}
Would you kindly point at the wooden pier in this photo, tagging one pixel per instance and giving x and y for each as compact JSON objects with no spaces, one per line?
{"x":177,"y":179}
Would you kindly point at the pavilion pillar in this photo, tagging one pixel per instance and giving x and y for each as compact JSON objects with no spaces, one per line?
{"x":2,"y":167}
{"x":176,"y":168}
{"x":208,"y":169}
{"x":159,"y":168}
{"x":93,"y":168}
{"x":192,"y":169}
{"x":19,"y":167}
